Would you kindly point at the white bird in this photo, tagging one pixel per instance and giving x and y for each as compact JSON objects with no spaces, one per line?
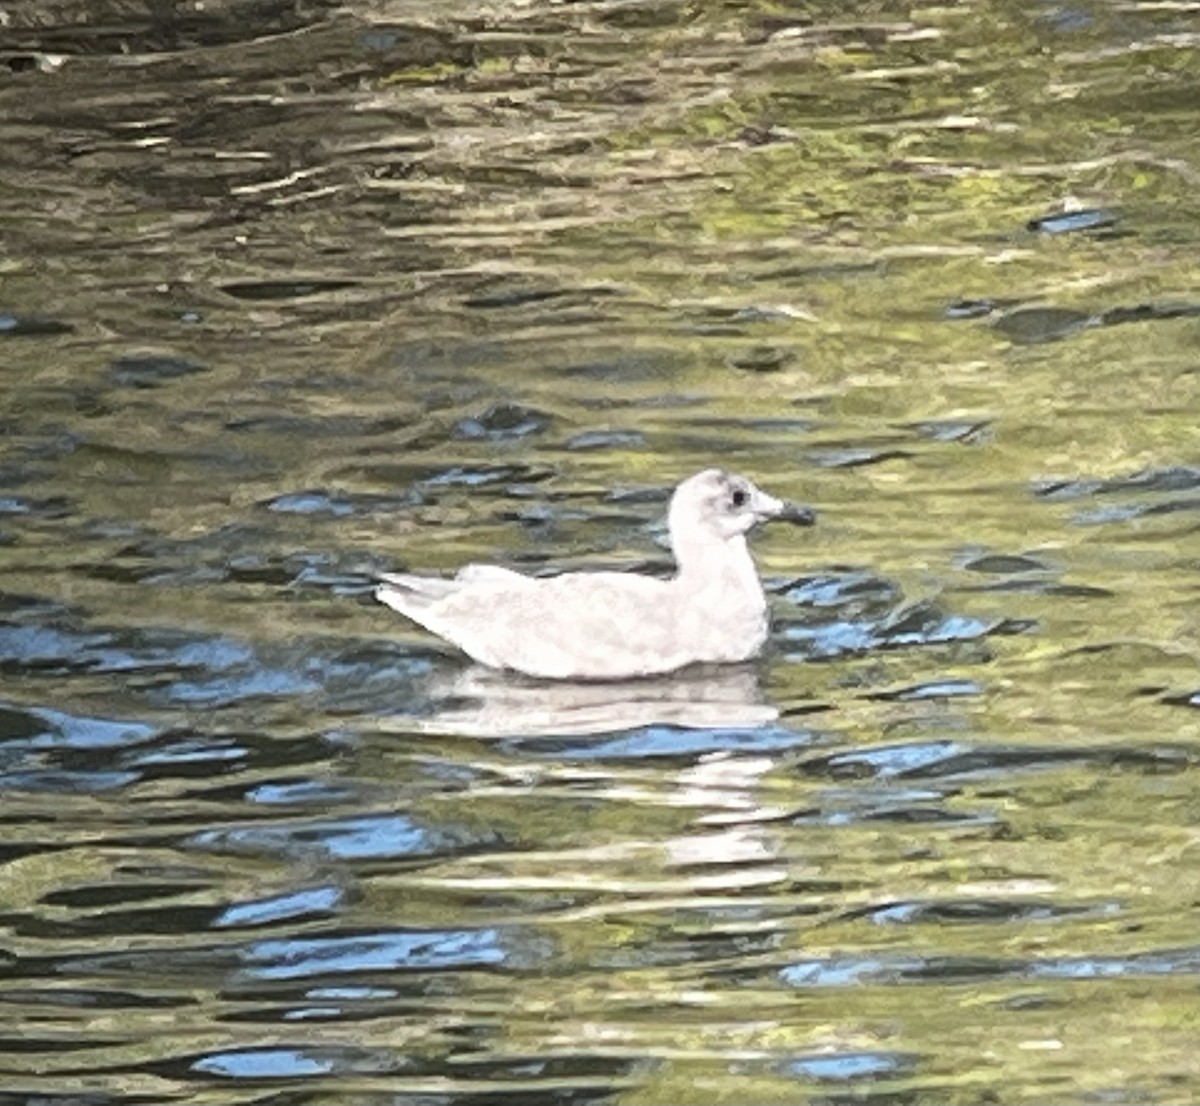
{"x":616,"y":625}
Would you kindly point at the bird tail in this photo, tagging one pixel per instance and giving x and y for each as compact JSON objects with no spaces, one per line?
{"x":411,"y":594}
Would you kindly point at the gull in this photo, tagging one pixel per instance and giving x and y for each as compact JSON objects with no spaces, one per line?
{"x":616,"y":625}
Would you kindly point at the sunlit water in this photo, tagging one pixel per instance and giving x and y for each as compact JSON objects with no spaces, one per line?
{"x":293,"y":296}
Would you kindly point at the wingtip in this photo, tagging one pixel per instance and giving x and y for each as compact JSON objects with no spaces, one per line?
{"x":399,"y":599}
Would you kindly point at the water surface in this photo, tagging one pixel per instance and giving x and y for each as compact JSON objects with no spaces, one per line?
{"x":292,"y":295}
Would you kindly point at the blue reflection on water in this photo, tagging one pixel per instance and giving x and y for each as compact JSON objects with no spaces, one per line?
{"x":312,"y":900}
{"x":667,"y":741}
{"x":58,"y":729}
{"x":415,"y":951}
{"x":369,"y":837}
{"x":846,"y":1066}
{"x":892,"y":970}
{"x":265,"y":1063}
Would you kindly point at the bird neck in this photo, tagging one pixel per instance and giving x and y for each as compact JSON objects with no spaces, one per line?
{"x":723,"y":563}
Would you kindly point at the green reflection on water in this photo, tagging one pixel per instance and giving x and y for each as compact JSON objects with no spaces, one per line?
{"x":719,"y":231}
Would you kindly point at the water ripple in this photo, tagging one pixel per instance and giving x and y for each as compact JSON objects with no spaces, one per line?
{"x":365,"y":837}
{"x":373,"y":952}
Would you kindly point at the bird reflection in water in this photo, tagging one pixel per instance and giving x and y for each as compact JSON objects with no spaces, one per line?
{"x":716,"y":719}
{"x":481,"y":702}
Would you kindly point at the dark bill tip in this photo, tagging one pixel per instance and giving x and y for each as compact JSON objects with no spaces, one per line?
{"x":798,"y":515}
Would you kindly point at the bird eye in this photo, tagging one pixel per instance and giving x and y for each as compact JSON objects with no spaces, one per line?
{"x":739,"y":498}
